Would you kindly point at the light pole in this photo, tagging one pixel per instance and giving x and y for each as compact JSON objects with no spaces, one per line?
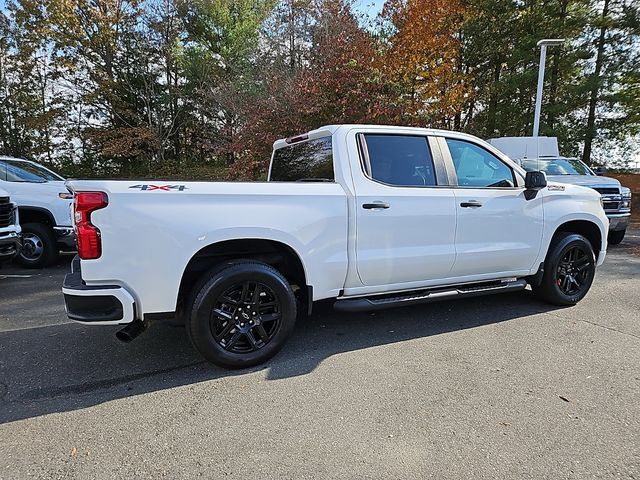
{"x":543,"y":57}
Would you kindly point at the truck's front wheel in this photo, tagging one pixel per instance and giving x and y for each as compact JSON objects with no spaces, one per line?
{"x":241,"y":314}
{"x":568,"y":270}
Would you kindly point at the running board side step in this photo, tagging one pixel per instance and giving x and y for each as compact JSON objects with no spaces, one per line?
{"x":367,"y":304}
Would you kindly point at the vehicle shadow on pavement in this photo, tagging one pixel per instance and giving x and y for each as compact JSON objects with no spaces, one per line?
{"x":70,"y":366}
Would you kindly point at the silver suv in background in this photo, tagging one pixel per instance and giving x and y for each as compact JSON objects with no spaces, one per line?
{"x":541,"y":154}
{"x":616,"y":199}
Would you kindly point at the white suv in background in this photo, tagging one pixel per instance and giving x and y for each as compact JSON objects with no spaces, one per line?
{"x":44,"y":206}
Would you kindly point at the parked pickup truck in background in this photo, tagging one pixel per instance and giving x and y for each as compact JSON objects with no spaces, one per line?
{"x":45,"y":210}
{"x":370,"y":216}
{"x":544,"y":156}
{"x":10,"y":241}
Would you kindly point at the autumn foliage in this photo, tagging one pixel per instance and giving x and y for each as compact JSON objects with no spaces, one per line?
{"x":421,"y":62}
{"x":337,"y":85}
{"x":410,"y":77}
{"x":201,"y":88}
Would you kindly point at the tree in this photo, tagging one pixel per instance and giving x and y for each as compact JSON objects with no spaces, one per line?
{"x":335,"y":84}
{"x":201,"y":88}
{"x":420,"y":61}
{"x":32,"y":101}
{"x":287,"y":33}
{"x":222,"y":36}
{"x":99,"y":55}
{"x":612,"y":108}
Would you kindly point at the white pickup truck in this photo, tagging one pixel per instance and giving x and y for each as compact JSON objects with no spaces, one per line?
{"x":45,"y":210}
{"x":371,"y":216}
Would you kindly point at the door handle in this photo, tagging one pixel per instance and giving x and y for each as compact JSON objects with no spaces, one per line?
{"x":471,"y":204}
{"x":375,"y":205}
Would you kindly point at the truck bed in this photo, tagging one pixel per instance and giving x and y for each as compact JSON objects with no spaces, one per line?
{"x":180,"y":218}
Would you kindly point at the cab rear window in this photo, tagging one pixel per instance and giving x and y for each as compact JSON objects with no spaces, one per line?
{"x":310,"y":161}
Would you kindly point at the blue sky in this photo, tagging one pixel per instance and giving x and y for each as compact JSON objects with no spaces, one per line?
{"x":370,"y":7}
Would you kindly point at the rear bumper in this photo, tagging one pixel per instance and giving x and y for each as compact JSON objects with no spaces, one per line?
{"x":96,"y":304}
{"x":618,"y":221}
{"x":10,"y":245}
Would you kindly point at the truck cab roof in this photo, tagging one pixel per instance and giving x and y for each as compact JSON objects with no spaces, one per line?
{"x":327,"y":130}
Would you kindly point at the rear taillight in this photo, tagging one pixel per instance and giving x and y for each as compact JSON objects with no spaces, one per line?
{"x":88,"y":235}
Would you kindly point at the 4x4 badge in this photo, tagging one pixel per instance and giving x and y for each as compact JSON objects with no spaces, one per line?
{"x":164,"y":188}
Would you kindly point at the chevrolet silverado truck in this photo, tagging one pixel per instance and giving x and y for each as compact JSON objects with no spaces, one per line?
{"x":542,"y":154}
{"x":10,"y":241}
{"x":45,"y":210}
{"x":369,"y":216}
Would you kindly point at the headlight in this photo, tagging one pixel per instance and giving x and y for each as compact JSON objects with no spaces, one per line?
{"x":625,"y":204}
{"x":626,"y":193}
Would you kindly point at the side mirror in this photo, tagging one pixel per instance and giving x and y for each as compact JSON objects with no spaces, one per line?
{"x":533,"y":182}
{"x":600,"y":170}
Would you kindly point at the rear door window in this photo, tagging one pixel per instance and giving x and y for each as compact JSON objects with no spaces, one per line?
{"x":400,"y":160}
{"x":310,"y":161}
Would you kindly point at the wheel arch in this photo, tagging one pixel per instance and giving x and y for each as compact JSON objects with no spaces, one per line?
{"x":279,"y":255}
{"x":588,"y":229}
{"x":36,"y":215}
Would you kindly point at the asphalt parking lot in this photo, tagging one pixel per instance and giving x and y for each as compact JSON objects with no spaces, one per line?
{"x":493,"y":387}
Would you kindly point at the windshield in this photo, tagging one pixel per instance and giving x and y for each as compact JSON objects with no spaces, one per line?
{"x":21,"y":171}
{"x":556,"y":166}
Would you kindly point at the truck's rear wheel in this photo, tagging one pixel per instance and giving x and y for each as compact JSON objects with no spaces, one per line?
{"x":39,"y":247}
{"x":568,"y":270}
{"x":241,"y":314}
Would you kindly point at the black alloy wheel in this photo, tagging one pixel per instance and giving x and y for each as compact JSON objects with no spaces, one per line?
{"x":241,"y":313}
{"x":569,"y":270}
{"x":574,"y":270}
{"x":245,"y":317}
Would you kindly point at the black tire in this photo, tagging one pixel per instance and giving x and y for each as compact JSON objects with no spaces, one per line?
{"x":616,"y":237}
{"x":566,"y":281}
{"x":39,"y":247}
{"x":225,"y":301}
